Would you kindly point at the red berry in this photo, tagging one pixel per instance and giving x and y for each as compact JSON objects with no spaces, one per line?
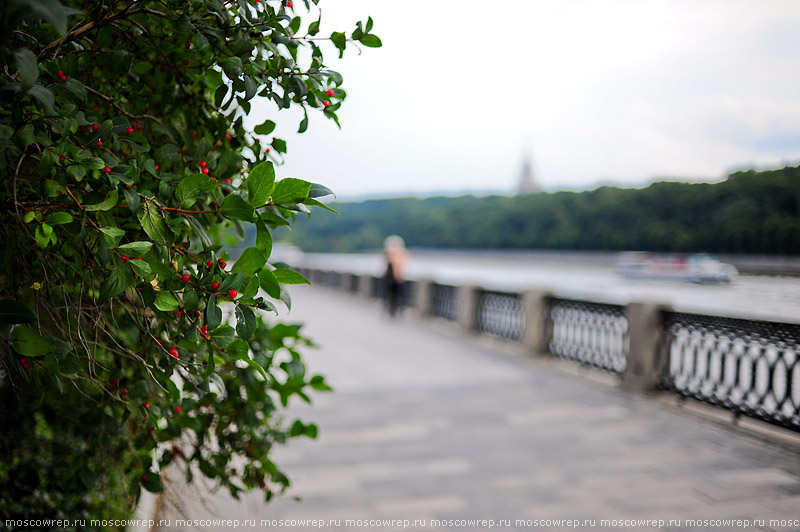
{"x":228,"y":135}
{"x":179,"y":313}
{"x":163,"y":68}
{"x":210,"y":178}
{"x":82,"y":129}
{"x":178,"y":409}
{"x":107,"y":170}
{"x":176,"y":453}
{"x":23,"y":360}
{"x":124,"y":258}
{"x":115,"y":382}
{"x":129,"y":130}
{"x":63,"y":78}
{"x":156,"y":168}
{"x":267,"y":150}
{"x":60,"y":73}
{"x":228,"y":180}
{"x":205,"y":171}
{"x":147,"y":405}
{"x":185,"y":245}
{"x":326,"y":103}
{"x":111,"y":388}
{"x":144,"y":478}
{"x":95,"y":107}
{"x":138,"y":126}
{"x":188,"y":45}
{"x":99,"y":142}
{"x":223,"y":265}
{"x":232,"y":293}
{"x":220,"y":262}
{"x":185,"y":63}
{"x":127,"y":185}
{"x":174,"y":351}
{"x":202,"y":164}
{"x":196,"y":313}
{"x":204,"y":330}
{"x":63,"y":158}
{"x":329,"y":92}
{"x":137,"y":258}
{"x":95,"y":127}
{"x":209,"y":264}
{"x":289,"y":3}
{"x":123,"y":392}
{"x":215,"y":285}
{"x":185,"y":277}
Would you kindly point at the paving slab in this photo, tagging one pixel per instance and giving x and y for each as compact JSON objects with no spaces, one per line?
{"x":437,"y":431}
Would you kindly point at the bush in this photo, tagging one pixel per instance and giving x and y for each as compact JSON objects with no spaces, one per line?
{"x":127,"y":340}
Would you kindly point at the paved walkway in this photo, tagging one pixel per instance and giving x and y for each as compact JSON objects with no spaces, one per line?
{"x":428,"y":425}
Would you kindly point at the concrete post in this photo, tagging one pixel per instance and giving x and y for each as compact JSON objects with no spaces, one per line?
{"x":423,"y":296}
{"x":537,"y":321}
{"x":346,"y":281}
{"x":468,"y":301}
{"x":365,"y":286}
{"x":646,"y":354}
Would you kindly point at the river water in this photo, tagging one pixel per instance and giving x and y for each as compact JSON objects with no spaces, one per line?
{"x":584,"y":276}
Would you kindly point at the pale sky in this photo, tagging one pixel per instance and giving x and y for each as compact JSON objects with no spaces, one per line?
{"x":620,"y":91}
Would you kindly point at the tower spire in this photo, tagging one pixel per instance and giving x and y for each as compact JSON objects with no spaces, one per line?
{"x":527,"y":183}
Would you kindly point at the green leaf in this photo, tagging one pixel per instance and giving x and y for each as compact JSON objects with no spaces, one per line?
{"x":256,"y":366}
{"x":95,"y":163}
{"x":260,"y":183}
{"x":285,"y":276}
{"x":250,"y":88}
{"x":141,"y":267}
{"x":232,"y":66}
{"x":290,"y":191}
{"x":190,"y":187}
{"x":238,"y":349}
{"x":318,"y":191}
{"x":154,"y":225}
{"x":213,"y":314}
{"x":371,"y":40}
{"x":245,"y":321}
{"x":279,"y":145}
{"x":340,"y":41}
{"x":263,"y":238}
{"x":25,"y":137}
{"x":28,"y":68}
{"x":132,"y":198}
{"x":59,"y":218}
{"x":166,"y":302}
{"x":44,"y":96}
{"x":251,"y":260}
{"x":107,"y":204}
{"x":76,"y":87}
{"x":236,"y":208}
{"x":15,"y":312}
{"x":153,"y":483}
{"x":269,"y":283}
{"x":318,"y":383}
{"x":315,"y":203}
{"x":199,"y":230}
{"x":116,"y":283}
{"x":135,"y":249}
{"x":111,"y":236}
{"x":265,"y":129}
{"x":29,"y":343}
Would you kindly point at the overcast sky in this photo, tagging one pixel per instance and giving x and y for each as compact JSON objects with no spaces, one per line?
{"x":620,"y":91}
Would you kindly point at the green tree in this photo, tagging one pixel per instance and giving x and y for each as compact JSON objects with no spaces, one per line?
{"x":127,"y":340}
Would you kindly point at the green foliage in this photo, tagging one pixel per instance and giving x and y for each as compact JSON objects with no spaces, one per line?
{"x":124,"y":160}
{"x":750,"y":212}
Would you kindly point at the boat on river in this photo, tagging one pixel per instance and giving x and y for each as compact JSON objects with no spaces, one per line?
{"x":696,"y":268}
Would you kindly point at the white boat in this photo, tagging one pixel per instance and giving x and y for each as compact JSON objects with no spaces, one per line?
{"x":697,"y":268}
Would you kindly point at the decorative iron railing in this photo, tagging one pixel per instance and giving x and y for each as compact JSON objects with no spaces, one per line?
{"x":747,"y":366}
{"x":501,"y":314}
{"x":445,"y":302}
{"x":593,"y":334}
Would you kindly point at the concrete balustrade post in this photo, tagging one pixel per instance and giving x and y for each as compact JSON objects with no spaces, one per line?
{"x":423,"y":296}
{"x":537,"y":321}
{"x":468,"y":301}
{"x":346,"y":281}
{"x":646,"y":355}
{"x":365,"y":286}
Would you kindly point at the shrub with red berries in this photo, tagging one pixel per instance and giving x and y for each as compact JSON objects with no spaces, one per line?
{"x":122,"y":136}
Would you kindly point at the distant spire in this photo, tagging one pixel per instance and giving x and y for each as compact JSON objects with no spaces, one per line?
{"x":527,"y":184}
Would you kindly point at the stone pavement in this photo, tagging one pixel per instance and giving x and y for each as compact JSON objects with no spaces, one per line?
{"x":426,"y":424}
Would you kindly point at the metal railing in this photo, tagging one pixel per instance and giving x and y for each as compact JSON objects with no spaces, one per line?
{"x":501,"y":315}
{"x":749,"y":367}
{"x":592,"y":334}
{"x":445,"y":302}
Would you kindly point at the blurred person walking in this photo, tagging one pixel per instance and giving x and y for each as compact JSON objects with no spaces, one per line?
{"x":393,"y":279}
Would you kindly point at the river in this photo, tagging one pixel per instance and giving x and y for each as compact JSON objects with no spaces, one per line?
{"x":585,"y":276}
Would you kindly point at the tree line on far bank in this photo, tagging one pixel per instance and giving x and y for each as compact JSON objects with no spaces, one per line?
{"x":751,"y":211}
